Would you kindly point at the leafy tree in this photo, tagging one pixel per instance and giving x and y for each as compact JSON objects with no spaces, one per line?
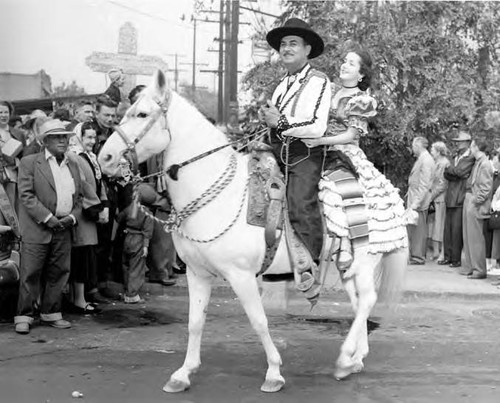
{"x":204,"y":100}
{"x":435,"y":68}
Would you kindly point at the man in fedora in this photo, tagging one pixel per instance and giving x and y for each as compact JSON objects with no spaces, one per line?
{"x":299,"y":109}
{"x":456,"y":174}
{"x":50,"y":198}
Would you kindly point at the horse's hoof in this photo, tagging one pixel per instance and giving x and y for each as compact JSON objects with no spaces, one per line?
{"x":175,"y":386}
{"x":273,"y":385}
{"x":343,"y":372}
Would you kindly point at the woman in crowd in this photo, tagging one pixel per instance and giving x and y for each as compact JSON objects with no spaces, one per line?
{"x":439,"y":152}
{"x":366,"y":211}
{"x":12,"y":143}
{"x":83,"y":258}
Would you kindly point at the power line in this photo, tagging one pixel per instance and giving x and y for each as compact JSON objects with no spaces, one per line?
{"x":155,"y":17}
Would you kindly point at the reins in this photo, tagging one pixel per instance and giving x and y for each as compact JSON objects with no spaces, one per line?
{"x":175,"y":218}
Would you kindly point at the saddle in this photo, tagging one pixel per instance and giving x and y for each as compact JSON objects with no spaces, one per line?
{"x":267,"y":209}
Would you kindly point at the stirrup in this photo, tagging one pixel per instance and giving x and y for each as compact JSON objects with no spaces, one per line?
{"x":306,"y":281}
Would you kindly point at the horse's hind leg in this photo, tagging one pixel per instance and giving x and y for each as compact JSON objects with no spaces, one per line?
{"x":199,"y":295}
{"x":245,"y":286}
{"x":367,"y":297}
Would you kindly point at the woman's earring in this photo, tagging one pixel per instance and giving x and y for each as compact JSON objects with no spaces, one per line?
{"x":360,"y":79}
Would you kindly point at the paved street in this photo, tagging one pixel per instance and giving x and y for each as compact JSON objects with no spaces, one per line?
{"x":438,"y":349}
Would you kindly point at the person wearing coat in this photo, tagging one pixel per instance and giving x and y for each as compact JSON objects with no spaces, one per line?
{"x":50,"y":193}
{"x":477,"y":206}
{"x":439,"y":184}
{"x":456,"y":174}
{"x":418,"y":198}
{"x":94,"y":210}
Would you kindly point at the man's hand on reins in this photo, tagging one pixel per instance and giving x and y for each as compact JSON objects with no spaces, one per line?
{"x":271,"y":114}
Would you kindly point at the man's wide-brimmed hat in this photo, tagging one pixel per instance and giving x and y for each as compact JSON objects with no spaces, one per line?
{"x":52,"y":127}
{"x":462,"y":136}
{"x":295,"y":26}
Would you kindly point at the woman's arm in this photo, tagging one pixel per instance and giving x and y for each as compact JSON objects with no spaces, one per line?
{"x":347,"y":137}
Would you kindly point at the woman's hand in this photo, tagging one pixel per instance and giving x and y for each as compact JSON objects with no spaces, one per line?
{"x":310,"y":143}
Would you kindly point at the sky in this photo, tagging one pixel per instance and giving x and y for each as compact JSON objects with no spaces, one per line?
{"x":58,"y":35}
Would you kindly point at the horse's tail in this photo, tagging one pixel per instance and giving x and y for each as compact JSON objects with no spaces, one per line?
{"x":390,"y":277}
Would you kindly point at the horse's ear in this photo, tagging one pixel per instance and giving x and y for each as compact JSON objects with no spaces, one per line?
{"x":160,"y":83}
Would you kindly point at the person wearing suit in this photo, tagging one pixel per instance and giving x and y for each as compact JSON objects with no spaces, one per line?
{"x":418,"y":198}
{"x":477,"y":205}
{"x":50,"y":199}
{"x":456,"y":174}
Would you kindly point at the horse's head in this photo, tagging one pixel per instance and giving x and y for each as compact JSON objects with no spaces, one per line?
{"x":143,"y":131}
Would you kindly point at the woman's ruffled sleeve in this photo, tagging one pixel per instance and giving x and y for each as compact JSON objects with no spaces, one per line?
{"x":358,"y":110}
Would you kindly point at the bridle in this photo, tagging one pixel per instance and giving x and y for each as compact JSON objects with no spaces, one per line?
{"x":130,"y":152}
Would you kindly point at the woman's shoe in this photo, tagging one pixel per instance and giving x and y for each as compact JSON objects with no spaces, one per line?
{"x":88,"y":309}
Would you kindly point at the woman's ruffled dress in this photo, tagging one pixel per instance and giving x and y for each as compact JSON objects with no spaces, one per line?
{"x":383,"y":207}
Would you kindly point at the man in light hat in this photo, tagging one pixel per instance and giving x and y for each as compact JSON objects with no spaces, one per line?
{"x":117,"y":80}
{"x":456,"y":174}
{"x":299,"y":109}
{"x":50,"y":197}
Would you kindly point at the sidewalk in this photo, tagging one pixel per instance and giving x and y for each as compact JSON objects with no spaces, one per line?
{"x":427,"y":281}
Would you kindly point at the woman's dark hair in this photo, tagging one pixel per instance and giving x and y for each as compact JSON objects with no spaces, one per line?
{"x":9,"y":106}
{"x":87,"y":126}
{"x":365,"y":66}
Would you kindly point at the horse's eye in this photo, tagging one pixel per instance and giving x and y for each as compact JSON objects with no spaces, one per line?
{"x":142,"y":115}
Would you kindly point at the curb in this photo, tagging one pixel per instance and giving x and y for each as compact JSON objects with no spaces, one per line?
{"x":223,"y":289}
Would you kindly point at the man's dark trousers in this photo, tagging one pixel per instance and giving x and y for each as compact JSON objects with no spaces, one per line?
{"x":304,"y":173}
{"x":453,"y":236}
{"x":53,"y":260}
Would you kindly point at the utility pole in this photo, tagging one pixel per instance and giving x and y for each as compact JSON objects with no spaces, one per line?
{"x":220,"y":92}
{"x":176,"y":69}
{"x":233,"y":62}
{"x":193,"y":82}
{"x":227,"y":47}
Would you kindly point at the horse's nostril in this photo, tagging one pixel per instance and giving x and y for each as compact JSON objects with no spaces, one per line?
{"x":107,"y":157}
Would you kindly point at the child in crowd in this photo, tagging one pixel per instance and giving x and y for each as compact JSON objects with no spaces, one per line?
{"x":138,"y":230}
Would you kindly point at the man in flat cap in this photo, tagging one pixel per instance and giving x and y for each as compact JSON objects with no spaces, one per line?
{"x":456,"y":174}
{"x":299,"y":109}
{"x":50,"y":193}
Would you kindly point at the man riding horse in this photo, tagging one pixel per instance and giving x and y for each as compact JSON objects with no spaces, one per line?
{"x":299,"y":109}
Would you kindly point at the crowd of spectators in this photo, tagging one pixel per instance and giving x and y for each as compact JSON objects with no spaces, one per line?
{"x":454,"y":195}
{"x":70,"y":237}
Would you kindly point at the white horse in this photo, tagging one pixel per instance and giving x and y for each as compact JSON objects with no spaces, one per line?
{"x":216,"y":239}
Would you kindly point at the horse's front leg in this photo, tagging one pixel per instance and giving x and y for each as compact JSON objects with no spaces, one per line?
{"x":245,"y":286}
{"x":199,"y":295}
{"x":355,"y":346}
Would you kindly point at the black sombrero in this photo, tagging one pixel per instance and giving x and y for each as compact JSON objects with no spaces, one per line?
{"x":295,"y":26}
